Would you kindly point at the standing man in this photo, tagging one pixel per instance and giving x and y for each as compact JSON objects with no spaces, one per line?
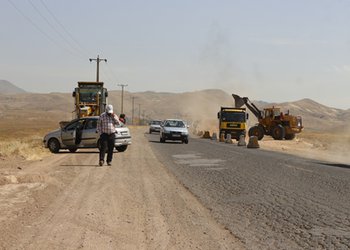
{"x":106,"y":126}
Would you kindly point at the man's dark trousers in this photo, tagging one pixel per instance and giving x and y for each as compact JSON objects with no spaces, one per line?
{"x":107,"y":143}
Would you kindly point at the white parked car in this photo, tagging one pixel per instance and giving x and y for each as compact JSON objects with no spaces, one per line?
{"x":81,"y":133}
{"x":175,"y":130}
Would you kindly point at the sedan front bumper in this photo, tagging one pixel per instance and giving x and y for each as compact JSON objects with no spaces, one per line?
{"x":175,"y":136}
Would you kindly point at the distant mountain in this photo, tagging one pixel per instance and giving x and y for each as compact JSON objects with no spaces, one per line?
{"x":8,"y":88}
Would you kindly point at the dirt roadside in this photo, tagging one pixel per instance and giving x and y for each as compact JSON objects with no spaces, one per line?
{"x":66,"y":202}
{"x":317,"y":149}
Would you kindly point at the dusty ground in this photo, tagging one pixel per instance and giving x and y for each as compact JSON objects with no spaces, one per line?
{"x":323,"y":146}
{"x":65,"y":201}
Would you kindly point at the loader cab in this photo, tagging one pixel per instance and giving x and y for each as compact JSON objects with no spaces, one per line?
{"x":271,"y":113}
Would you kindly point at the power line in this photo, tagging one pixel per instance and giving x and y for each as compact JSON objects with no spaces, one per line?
{"x":39,"y":29}
{"x":112,"y":72}
{"x":107,"y":76}
{"x":75,"y":49}
{"x":63,"y":28}
{"x":54,"y":28}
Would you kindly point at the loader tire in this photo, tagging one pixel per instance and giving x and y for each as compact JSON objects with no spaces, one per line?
{"x":256,"y":131}
{"x":289,"y":136}
{"x":278,"y":132}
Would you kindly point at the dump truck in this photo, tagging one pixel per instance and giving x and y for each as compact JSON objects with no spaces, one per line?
{"x":271,"y":121}
{"x":232,"y":121}
{"x":90,"y":99}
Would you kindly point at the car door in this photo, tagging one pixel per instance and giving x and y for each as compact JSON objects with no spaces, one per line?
{"x":69,"y":133}
{"x":89,"y":136}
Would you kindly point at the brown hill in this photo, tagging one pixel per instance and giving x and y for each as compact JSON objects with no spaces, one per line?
{"x":9,"y":88}
{"x":199,"y":108}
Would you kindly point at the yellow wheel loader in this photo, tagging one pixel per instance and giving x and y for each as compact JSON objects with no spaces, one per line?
{"x":271,"y":121}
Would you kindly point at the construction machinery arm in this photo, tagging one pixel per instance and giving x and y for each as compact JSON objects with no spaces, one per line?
{"x":240,"y":101}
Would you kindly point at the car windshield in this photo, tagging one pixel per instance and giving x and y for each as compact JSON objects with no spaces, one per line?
{"x":173,"y":123}
{"x":156,"y":122}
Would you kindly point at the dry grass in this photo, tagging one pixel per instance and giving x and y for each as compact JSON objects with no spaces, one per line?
{"x":23,"y":137}
{"x":29,"y":148}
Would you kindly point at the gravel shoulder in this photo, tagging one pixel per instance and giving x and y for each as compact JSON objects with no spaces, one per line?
{"x":67,"y":202}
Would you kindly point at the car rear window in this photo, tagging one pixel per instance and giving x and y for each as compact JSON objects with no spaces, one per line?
{"x":178,"y":124}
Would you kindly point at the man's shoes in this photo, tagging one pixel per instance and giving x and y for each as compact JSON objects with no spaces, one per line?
{"x":109,"y":163}
{"x":101,"y":163}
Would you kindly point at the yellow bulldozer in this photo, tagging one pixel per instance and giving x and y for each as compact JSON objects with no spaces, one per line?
{"x":271,"y":121}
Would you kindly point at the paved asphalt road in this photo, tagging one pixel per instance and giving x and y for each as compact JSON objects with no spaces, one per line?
{"x":268,"y":200}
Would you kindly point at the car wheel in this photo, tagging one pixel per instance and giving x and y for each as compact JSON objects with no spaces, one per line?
{"x":162,"y":140}
{"x":54,"y":145}
{"x":121,"y":148}
{"x":185,"y":141}
{"x":73,"y":150}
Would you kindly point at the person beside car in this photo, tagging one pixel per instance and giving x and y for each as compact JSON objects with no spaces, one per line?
{"x":122,"y":118}
{"x":106,"y":127}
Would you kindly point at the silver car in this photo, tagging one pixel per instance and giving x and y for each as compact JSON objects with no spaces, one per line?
{"x":81,"y":133}
{"x":175,"y":130}
{"x":154,"y":126}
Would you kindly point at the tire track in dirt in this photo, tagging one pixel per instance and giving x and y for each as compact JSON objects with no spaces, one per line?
{"x":134,"y":204}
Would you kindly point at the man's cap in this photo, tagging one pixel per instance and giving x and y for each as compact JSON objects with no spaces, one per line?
{"x":109,"y":108}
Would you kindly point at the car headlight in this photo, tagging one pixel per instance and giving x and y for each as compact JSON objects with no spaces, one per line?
{"x":184,"y":133}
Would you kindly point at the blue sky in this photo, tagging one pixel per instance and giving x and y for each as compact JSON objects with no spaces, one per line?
{"x":267,"y":50}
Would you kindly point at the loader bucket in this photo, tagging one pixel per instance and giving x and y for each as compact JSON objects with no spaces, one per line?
{"x":239,"y":102}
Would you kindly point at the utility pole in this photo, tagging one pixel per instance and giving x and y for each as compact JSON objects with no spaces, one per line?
{"x":121,"y":108}
{"x":98,"y":66}
{"x":132,"y":111}
{"x":139,"y":114}
{"x":143,"y":116}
